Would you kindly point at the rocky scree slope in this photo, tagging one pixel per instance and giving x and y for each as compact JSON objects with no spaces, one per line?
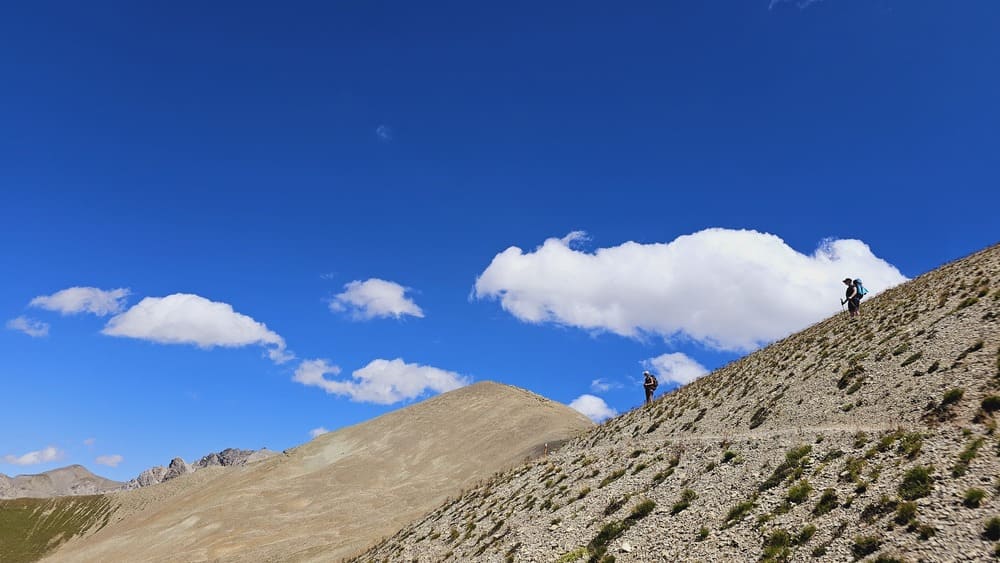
{"x":334,"y":496}
{"x":853,"y":439}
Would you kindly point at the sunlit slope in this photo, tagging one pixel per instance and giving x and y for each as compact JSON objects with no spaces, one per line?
{"x":338,"y":493}
{"x":851,"y":438}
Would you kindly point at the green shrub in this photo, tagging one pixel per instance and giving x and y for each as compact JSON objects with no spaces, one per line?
{"x":991,"y":530}
{"x":906,"y":512}
{"x":917,"y":483}
{"x":973,"y":497}
{"x":952,"y":396}
{"x":679,"y":507}
{"x":991,"y":403}
{"x":827,"y":502}
{"x":794,"y":459}
{"x":799,"y":492}
{"x":805,"y":534}
{"x":737,"y":512}
{"x":641,"y":510}
{"x":614,"y":475}
{"x":910,"y":444}
{"x":964,"y":458}
{"x":776,"y":546}
{"x":729,"y":455}
{"x":865,"y":545}
{"x":702,"y":534}
{"x":912,"y":358}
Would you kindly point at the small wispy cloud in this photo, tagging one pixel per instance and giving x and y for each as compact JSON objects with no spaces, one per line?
{"x":73,"y":300}
{"x":90,"y":441}
{"x":384,"y":133}
{"x":31,"y":327}
{"x":592,"y":407}
{"x":109,"y":460}
{"x":375,"y":298}
{"x":802,"y":4}
{"x":601,"y":385}
{"x":44,"y":455}
{"x":318,"y":431}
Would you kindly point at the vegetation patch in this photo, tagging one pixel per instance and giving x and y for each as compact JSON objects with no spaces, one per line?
{"x":687,"y":495}
{"x":910,"y":444}
{"x":991,"y":403}
{"x":737,"y":512}
{"x":917,"y":483}
{"x":911,"y":358}
{"x":758,"y":417}
{"x":791,"y":467}
{"x":799,"y":492}
{"x":906,"y":512}
{"x":805,"y":534}
{"x":30,"y":528}
{"x":884,"y":505}
{"x":865,"y":545}
{"x":776,"y":546}
{"x":973,"y":497}
{"x":964,"y":458}
{"x":827,"y":502}
{"x":612,"y":477}
{"x":991,"y":529}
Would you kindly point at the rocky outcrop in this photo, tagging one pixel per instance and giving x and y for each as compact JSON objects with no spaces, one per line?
{"x":229,"y":457}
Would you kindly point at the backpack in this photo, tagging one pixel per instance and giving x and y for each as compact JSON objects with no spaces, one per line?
{"x":654,"y":382}
{"x":862,"y":291}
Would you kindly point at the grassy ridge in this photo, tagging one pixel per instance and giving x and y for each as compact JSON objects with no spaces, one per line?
{"x":30,"y":527}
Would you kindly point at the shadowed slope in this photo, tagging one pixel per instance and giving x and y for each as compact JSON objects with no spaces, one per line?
{"x":852,"y":437}
{"x":336,"y":494}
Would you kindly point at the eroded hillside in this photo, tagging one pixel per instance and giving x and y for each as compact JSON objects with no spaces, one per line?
{"x":849,"y":439}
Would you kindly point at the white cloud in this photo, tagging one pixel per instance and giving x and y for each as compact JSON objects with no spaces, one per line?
{"x":384,"y":133}
{"x":45,"y":455}
{"x":90,"y":441}
{"x":31,"y":327}
{"x":592,"y":407}
{"x":184,"y":318}
{"x":375,"y":298}
{"x":601,"y":385}
{"x":676,"y":367}
{"x":382,"y":381}
{"x":729,"y":289}
{"x":83,"y":300}
{"x":318,"y":431}
{"x":109,"y":460}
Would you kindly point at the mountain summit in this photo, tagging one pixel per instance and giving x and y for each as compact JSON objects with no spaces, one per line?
{"x":852,"y":438}
{"x":335,"y":495}
{"x":69,"y":480}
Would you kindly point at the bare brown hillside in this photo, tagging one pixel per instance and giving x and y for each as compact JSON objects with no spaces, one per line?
{"x":851,"y":439}
{"x":69,"y":480}
{"x":336,"y":494}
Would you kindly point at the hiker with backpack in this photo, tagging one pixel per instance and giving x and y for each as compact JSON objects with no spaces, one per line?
{"x":855,"y":291}
{"x":649,"y":384}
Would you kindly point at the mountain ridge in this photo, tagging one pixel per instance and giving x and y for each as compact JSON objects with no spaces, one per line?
{"x":333,"y":496}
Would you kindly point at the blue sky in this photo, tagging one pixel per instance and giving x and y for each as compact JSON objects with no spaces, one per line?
{"x":319,"y":212}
